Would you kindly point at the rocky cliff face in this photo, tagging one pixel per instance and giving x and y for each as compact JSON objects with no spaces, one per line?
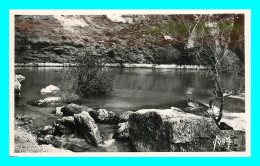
{"x":126,"y":38}
{"x":161,"y":39}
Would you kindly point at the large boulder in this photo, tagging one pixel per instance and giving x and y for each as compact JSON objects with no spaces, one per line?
{"x":154,"y":130}
{"x":65,"y":125}
{"x":47,"y":101}
{"x":103,"y":116}
{"x":49,"y":90}
{"x":86,"y":126}
{"x":71,"y":109}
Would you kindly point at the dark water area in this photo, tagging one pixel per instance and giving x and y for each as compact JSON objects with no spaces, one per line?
{"x":135,"y":88}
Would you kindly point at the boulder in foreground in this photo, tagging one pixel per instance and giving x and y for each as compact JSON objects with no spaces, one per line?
{"x":154,"y":130}
{"x":86,"y":126}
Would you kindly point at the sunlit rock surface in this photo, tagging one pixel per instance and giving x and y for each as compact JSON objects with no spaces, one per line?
{"x":171,"y":130}
{"x":48,"y":101}
{"x":49,"y":90}
{"x":57,"y":111}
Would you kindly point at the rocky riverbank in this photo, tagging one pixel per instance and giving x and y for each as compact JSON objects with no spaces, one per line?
{"x":77,"y":129}
{"x":26,"y":142}
{"x":146,"y":130}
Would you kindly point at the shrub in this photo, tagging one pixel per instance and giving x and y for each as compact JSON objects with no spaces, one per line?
{"x":89,"y":77}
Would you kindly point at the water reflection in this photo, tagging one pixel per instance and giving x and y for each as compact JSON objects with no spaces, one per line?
{"x":134,"y":88}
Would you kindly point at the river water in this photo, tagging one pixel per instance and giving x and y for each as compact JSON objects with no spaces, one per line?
{"x":135,"y":88}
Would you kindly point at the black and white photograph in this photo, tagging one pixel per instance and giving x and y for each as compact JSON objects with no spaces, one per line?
{"x":130,"y":83}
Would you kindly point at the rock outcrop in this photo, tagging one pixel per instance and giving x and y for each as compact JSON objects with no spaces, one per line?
{"x":100,"y":115}
{"x":49,"y":139}
{"x":103,"y":116}
{"x":122,"y":132}
{"x":26,"y":142}
{"x":152,"y":130}
{"x":57,"y":111}
{"x":69,"y":131}
{"x":86,"y":126}
{"x":51,"y":89}
{"x":71,"y":109}
{"x":46,"y":130}
{"x":65,"y":125}
{"x":20,"y":78}
{"x":47,"y":101}
{"x":17,"y":85}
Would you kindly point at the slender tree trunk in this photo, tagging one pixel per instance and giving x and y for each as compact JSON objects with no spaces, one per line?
{"x":217,"y":120}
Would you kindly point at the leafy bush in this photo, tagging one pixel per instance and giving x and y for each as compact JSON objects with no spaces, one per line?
{"x":89,"y":77}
